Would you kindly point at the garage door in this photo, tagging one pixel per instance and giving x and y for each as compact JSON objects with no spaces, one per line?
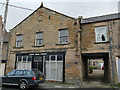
{"x":54,"y":67}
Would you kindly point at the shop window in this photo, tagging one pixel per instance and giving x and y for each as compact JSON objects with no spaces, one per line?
{"x":101,"y":35}
{"x":37,"y":58}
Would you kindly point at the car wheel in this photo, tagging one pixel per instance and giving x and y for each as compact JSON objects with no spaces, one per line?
{"x":23,"y":85}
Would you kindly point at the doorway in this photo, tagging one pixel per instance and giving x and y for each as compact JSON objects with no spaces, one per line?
{"x":54,"y":67}
{"x":99,"y":63}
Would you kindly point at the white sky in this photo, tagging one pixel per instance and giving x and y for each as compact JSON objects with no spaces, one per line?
{"x":73,"y":8}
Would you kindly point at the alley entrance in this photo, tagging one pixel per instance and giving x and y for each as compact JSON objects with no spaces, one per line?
{"x":96,"y":67}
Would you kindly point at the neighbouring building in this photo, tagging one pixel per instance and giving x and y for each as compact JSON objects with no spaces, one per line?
{"x":4,"y":47}
{"x":47,"y":40}
{"x":100,"y":40}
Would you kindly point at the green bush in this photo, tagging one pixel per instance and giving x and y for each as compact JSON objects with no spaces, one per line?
{"x":118,"y":84}
{"x":94,"y":67}
{"x":90,"y":69}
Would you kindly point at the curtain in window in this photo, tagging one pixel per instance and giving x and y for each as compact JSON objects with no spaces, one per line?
{"x":100,"y":33}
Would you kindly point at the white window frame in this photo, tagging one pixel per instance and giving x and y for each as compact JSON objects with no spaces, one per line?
{"x":39,"y":39}
{"x":19,"y":40}
{"x":101,"y":33}
{"x":63,"y":36}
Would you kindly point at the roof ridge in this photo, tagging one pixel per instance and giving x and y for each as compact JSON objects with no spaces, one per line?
{"x":101,"y":16}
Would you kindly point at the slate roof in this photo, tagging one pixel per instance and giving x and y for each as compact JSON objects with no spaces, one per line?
{"x":101,"y":18}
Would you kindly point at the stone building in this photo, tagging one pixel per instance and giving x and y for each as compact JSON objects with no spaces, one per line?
{"x":60,"y":46}
{"x":100,"y":40}
{"x":47,"y":40}
{"x":4,"y":54}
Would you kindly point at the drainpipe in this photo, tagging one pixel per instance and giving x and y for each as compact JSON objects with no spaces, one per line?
{"x":111,"y":55}
{"x":79,"y":19}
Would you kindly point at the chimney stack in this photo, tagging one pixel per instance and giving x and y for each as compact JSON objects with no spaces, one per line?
{"x":41,"y":6}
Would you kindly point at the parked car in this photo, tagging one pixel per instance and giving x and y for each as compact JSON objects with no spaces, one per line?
{"x":23,"y":78}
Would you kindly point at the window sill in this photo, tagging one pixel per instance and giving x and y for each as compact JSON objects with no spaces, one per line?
{"x":39,"y":46}
{"x":101,"y":42}
{"x":62,"y":44}
{"x":17,"y":47}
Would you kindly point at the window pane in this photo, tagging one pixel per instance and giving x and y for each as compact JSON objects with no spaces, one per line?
{"x":19,"y":37}
{"x":19,"y":73}
{"x":19,"y":41}
{"x":63,"y":33}
{"x":63,"y":39}
{"x":39,"y":39}
{"x":59,"y":57}
{"x":47,"y":57}
{"x":52,"y":58}
{"x":101,"y":35}
{"x":39,"y":35}
{"x":63,"y":36}
{"x":24,"y":58}
{"x":38,"y":42}
{"x":29,"y":58}
{"x":19,"y":58}
{"x":11,"y":73}
{"x":38,"y":59}
{"x":27,"y":73}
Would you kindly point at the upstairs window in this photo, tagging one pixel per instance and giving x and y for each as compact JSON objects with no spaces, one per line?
{"x":63,"y":36}
{"x":39,"y":39}
{"x":19,"y":40}
{"x":101,"y":35}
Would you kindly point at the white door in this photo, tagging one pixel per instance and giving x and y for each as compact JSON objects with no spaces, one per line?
{"x":54,"y":68}
{"x":2,"y":68}
{"x":118,"y":68}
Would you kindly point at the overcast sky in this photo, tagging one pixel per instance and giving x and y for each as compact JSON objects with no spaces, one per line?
{"x":73,"y":8}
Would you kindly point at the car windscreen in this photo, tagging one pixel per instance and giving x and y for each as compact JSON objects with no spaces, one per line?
{"x":10,"y":73}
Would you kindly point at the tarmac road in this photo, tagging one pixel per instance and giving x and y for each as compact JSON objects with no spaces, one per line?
{"x":17,"y":88}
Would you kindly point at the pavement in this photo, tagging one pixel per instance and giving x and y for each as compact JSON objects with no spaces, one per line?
{"x":94,"y":80}
{"x":58,"y":85}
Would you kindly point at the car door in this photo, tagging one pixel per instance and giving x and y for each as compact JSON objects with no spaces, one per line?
{"x":8,"y":78}
{"x":17,"y":76}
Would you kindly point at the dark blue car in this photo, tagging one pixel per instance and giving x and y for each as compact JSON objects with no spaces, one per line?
{"x":23,"y":78}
